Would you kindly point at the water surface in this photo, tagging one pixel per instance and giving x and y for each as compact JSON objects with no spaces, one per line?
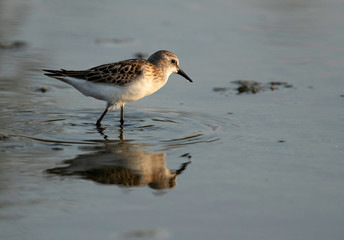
{"x":190,"y":162}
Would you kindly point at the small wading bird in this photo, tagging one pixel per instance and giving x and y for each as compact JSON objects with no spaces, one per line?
{"x":124,"y":81}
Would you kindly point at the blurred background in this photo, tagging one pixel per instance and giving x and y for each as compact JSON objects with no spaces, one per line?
{"x":252,"y":149}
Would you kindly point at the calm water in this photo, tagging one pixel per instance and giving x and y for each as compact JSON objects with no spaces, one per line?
{"x":193,"y":161}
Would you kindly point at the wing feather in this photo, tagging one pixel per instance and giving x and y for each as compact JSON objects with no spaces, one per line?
{"x":120,"y":73}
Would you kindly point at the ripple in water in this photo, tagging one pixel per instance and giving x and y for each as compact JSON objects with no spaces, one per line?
{"x":163,"y":129}
{"x":168,"y":128}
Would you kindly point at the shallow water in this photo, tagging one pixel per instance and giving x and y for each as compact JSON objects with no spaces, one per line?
{"x":193,"y":161}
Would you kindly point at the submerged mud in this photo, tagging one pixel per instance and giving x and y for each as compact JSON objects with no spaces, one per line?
{"x":253,"y":87}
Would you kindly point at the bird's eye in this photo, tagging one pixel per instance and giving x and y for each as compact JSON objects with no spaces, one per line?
{"x":173,"y":61}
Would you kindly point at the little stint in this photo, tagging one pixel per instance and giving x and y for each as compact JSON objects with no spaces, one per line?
{"x":124,"y":81}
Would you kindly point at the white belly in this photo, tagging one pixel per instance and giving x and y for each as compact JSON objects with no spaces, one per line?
{"x":112,"y":93}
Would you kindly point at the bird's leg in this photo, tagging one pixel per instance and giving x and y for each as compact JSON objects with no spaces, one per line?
{"x":122,"y":115}
{"x":102,"y":116}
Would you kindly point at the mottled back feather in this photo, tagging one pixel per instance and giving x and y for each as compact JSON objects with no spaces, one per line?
{"x":119,"y":73}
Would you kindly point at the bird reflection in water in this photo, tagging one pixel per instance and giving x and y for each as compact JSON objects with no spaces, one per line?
{"x":122,"y":163}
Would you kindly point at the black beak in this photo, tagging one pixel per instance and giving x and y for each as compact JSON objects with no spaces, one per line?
{"x":182,"y":73}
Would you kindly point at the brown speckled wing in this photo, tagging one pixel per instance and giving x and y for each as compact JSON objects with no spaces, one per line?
{"x":120,"y":73}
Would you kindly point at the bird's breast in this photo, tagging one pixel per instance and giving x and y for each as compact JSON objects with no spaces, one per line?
{"x":141,"y":88}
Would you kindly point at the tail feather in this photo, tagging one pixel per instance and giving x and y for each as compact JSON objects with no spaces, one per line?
{"x":65,"y":73}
